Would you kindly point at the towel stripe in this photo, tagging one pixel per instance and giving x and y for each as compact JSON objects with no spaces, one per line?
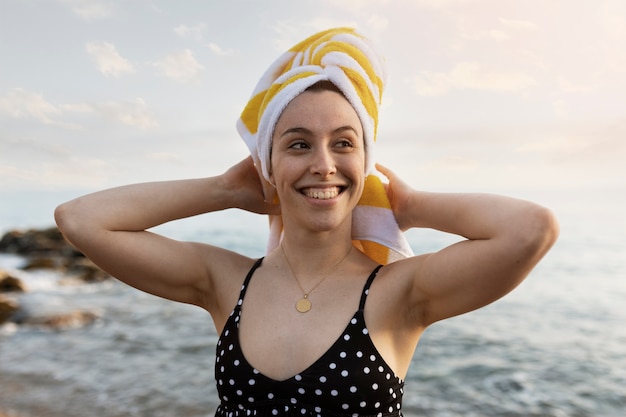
{"x":277,"y":87}
{"x":374,"y":194}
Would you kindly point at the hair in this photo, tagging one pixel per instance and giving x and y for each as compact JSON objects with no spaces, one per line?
{"x":324,"y":85}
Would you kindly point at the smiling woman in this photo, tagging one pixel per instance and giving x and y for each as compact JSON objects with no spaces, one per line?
{"x":318,"y":159}
{"x":326,"y":323}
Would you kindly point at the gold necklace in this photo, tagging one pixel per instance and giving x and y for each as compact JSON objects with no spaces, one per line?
{"x":303,"y":305}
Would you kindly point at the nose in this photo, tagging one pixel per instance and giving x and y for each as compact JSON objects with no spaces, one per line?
{"x":323,"y":163}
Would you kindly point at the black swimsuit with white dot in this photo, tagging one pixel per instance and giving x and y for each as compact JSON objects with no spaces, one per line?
{"x":349,"y":379}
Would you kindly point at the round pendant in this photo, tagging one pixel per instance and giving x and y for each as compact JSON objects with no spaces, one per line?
{"x":303,"y":305}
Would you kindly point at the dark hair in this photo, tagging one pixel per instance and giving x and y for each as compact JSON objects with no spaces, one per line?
{"x":325,"y":85}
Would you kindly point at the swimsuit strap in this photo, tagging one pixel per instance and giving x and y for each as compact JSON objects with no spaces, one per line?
{"x":246,"y":281}
{"x":366,"y":288}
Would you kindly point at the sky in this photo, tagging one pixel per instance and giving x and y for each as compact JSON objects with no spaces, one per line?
{"x":481,"y":94}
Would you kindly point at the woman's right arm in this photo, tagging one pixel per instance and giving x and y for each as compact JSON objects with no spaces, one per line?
{"x":110,"y":227}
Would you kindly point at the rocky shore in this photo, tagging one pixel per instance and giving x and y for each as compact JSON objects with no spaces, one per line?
{"x":44,"y":249}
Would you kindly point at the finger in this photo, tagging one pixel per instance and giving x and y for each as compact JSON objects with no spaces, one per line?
{"x":384,"y":170}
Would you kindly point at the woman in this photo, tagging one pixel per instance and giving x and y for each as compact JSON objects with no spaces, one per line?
{"x":316,"y":327}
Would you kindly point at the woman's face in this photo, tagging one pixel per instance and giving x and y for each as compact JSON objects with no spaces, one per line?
{"x":318,"y":160}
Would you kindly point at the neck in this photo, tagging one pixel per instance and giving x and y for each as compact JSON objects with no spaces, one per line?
{"x":311,"y":257}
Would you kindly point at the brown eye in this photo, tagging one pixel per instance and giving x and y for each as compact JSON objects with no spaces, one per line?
{"x":298,"y":145}
{"x":345,"y":143}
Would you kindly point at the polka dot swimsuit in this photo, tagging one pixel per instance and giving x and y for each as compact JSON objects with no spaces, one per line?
{"x":349,"y":379}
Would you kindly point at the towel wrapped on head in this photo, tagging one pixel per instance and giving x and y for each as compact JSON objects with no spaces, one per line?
{"x":346,"y":59}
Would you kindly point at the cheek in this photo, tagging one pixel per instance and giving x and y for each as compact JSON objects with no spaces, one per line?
{"x":361,"y":185}
{"x":358,"y":175}
{"x":363,"y":175}
{"x":278,"y":170}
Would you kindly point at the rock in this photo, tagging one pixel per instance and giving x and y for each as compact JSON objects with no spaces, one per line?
{"x":61,"y":321}
{"x":41,"y":262}
{"x":85,"y":270}
{"x":9,"y":283}
{"x":30,"y":242}
{"x":8,"y":307}
{"x":48,"y":249}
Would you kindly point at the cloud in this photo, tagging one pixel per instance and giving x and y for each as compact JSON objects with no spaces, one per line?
{"x":505,"y":33}
{"x":15,"y":173}
{"x":288,"y":33}
{"x":439,"y":4}
{"x":166,"y":157}
{"x":194,"y":32}
{"x":73,"y":172}
{"x":567,"y":86}
{"x":42,"y":162}
{"x":496,"y":35}
{"x":583,"y":146}
{"x":108,"y":60}
{"x":89,"y":9}
{"x":217,"y":50}
{"x":453,"y":163}
{"x":560,"y":108}
{"x":131,"y":113}
{"x":323,"y":23}
{"x":352,"y":5}
{"x":521,"y":25}
{"x":556,"y":145}
{"x":181,"y":67}
{"x":22,"y":104}
{"x":612,"y":16}
{"x":469,"y":76}
{"x":377,"y":23}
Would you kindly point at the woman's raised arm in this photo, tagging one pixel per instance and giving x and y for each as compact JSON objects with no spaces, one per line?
{"x":110,"y":227}
{"x":505,"y":239}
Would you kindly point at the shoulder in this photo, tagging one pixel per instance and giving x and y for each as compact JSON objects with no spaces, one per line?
{"x":395,"y":313}
{"x":226,"y":272}
{"x":396,"y":293}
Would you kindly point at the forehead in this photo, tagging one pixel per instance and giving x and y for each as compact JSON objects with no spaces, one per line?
{"x":319,"y":110}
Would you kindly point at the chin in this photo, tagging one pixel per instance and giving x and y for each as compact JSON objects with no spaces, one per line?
{"x":329,"y":224}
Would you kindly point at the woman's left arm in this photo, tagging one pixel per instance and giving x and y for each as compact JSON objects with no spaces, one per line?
{"x":504,"y":239}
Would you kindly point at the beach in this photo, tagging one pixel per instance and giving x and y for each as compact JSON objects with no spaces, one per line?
{"x":552,"y":348}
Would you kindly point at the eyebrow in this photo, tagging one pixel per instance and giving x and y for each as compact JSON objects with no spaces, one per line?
{"x":303,"y":130}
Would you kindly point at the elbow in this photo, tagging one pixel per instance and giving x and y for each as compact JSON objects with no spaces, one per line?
{"x":541,"y":231}
{"x":62,"y":217}
{"x":67,"y":219}
{"x":550,"y":227}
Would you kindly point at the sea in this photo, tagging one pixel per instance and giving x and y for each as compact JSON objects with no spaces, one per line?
{"x":554,"y":347}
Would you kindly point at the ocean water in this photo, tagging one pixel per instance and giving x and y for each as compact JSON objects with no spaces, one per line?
{"x":556,"y":346}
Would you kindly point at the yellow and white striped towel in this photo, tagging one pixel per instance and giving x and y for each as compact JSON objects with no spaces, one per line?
{"x":347,"y":59}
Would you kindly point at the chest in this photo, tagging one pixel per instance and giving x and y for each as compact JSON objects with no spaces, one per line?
{"x":350,"y":375}
{"x":279,"y":340}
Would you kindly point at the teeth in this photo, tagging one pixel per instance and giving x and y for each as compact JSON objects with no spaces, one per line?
{"x":322,"y":194}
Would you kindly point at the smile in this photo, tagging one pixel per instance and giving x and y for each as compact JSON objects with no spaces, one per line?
{"x":322,"y":193}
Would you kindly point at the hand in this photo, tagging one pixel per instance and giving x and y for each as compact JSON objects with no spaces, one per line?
{"x":251,"y":192}
{"x":399,"y":194}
